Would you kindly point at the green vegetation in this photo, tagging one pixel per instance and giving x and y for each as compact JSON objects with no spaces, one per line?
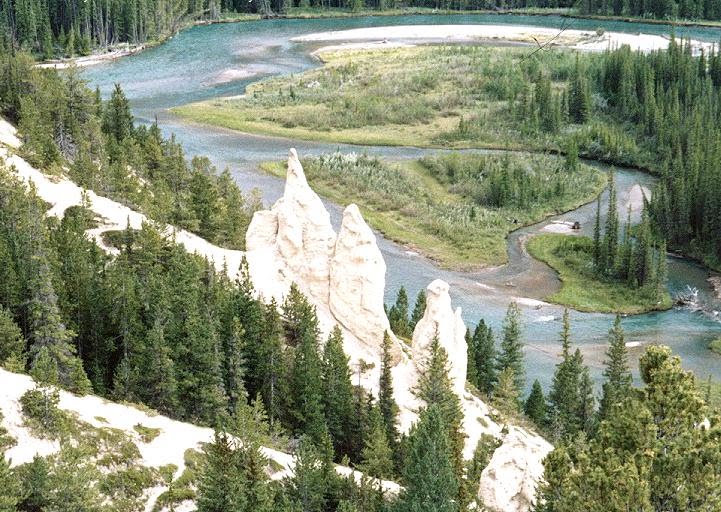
{"x":399,"y":96}
{"x":68,"y":130}
{"x":715,"y":345}
{"x":582,"y":289}
{"x":442,"y":205}
{"x":656,"y":111}
{"x":147,"y":434}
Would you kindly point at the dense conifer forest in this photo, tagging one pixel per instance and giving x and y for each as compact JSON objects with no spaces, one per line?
{"x":155,"y":325}
{"x":55,"y":28}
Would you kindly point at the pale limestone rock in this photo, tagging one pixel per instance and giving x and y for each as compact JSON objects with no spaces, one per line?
{"x":508,"y":483}
{"x":357,"y":281}
{"x":305,"y":237}
{"x":440,"y":319}
{"x":262,"y":231}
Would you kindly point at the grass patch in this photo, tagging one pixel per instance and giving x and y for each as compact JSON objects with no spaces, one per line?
{"x":715,"y":345}
{"x":147,"y":434}
{"x":430,"y":96}
{"x":443,"y":207}
{"x":571,"y":257}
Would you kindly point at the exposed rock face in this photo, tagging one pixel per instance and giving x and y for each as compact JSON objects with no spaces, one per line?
{"x":305,"y":237}
{"x":344,"y":275}
{"x":357,"y":280}
{"x":440,"y":320}
{"x":508,"y":484}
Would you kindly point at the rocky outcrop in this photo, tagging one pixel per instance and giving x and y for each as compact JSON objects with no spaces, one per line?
{"x":344,"y":275}
{"x":508,"y":483}
{"x":357,"y":280}
{"x":440,"y":320}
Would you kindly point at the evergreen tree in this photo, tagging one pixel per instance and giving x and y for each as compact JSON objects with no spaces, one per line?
{"x":36,"y":485}
{"x":117,"y":119}
{"x":398,"y":315}
{"x":338,"y":394}
{"x":435,"y":388}
{"x":418,"y":310}
{"x":386,"y":403}
{"x":511,"y":353}
{"x":485,"y":353}
{"x":565,"y":394}
{"x":377,"y":456}
{"x":431,"y":483}
{"x":306,"y":413}
{"x":222,"y":484}
{"x":618,"y":379}
{"x":535,"y":406}
{"x":505,"y":395}
{"x":12,"y":344}
{"x":10,"y":491}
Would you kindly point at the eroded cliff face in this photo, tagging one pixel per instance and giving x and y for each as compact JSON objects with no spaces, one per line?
{"x":344,"y":277}
{"x":343,"y":274}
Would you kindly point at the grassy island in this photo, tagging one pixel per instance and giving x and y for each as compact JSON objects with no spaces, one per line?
{"x":583,"y":290}
{"x":427,"y":96}
{"x":456,"y":208}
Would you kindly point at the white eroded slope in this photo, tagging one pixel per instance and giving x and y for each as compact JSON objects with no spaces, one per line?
{"x":344,"y":277}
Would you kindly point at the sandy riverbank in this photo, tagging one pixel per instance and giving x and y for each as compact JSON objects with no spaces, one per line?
{"x":546,"y":37}
{"x":94,"y":59}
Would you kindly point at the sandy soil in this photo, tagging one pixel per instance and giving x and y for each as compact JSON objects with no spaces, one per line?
{"x":94,"y":59}
{"x":578,"y":39}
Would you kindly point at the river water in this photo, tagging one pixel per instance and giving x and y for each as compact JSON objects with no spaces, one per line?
{"x":221,"y":60}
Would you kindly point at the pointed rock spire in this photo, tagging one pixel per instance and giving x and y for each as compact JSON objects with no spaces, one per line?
{"x":440,"y":320}
{"x":357,"y":281}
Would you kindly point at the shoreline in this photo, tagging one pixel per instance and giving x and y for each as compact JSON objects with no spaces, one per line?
{"x":582,"y":40}
{"x":100,"y":56}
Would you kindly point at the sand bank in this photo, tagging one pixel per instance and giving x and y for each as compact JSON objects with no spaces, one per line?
{"x":539,"y":36}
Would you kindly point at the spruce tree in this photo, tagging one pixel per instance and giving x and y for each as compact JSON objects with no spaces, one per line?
{"x":431,"y":483}
{"x":564,"y":394}
{"x":505,"y":395}
{"x":222,"y":484}
{"x":485,"y":352}
{"x":418,"y":310}
{"x":338,"y":394}
{"x":386,"y":403}
{"x":117,"y":119}
{"x":535,"y":406}
{"x":610,"y":240}
{"x":10,"y":490}
{"x":306,"y":409}
{"x":511,"y":353}
{"x":398,"y":315}
{"x":617,"y":374}
{"x":377,"y":456}
{"x":12,"y":344}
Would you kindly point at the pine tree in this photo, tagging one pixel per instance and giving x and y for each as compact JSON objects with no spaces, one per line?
{"x":306,"y":378}
{"x":338,"y":394}
{"x":117,"y":119}
{"x":272,"y":369}
{"x":618,"y":379}
{"x":36,"y":485}
{"x":564,"y":395}
{"x":10,"y":491}
{"x":431,"y":484}
{"x":505,"y":395}
{"x":485,"y":352}
{"x":418,"y":310}
{"x":386,"y":403}
{"x":586,"y":400}
{"x":311,"y":479}
{"x":222,"y":484}
{"x":610,"y":240}
{"x":535,"y":406}
{"x":377,"y":456}
{"x":398,"y":315}
{"x":12,"y":344}
{"x":598,"y":260}
{"x":511,"y":354}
